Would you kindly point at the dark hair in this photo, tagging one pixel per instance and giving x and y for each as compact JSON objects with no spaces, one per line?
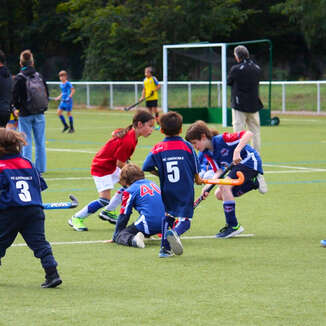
{"x":26,"y":58}
{"x":11,"y":141}
{"x":2,"y":57}
{"x":171,"y":123}
{"x":198,"y":128}
{"x":140,"y":116}
{"x":130,"y":173}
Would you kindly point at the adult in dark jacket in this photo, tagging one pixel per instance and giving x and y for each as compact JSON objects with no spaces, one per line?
{"x":244,"y":81}
{"x":5,"y":91}
{"x":30,"y":122}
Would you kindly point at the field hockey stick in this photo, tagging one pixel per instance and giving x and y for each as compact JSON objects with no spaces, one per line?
{"x":224,"y":173}
{"x":132,"y":106}
{"x":62,"y":205}
{"x":226,"y":182}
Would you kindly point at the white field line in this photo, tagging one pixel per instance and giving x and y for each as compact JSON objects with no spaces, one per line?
{"x":152,"y":239}
{"x":69,"y":150}
{"x":68,"y":178}
{"x":288,"y":167}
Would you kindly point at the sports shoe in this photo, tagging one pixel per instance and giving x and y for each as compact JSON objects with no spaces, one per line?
{"x":138,"y":240}
{"x":51,"y":281}
{"x":109,"y":216}
{"x":174,"y":242}
{"x":323,"y":243}
{"x":164,"y":253}
{"x":77,"y":224}
{"x":229,"y":231}
{"x":71,"y":130}
{"x":262,"y":185}
{"x":65,"y":128}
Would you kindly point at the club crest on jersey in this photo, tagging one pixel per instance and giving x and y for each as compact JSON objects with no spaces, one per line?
{"x":224,"y":152}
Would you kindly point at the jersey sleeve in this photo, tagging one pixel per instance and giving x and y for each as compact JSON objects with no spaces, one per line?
{"x":155,"y":81}
{"x":127,"y":203}
{"x":149,"y":163}
{"x":231,"y":138}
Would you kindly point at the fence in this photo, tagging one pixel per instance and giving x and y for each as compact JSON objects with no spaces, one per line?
{"x":286,"y":95}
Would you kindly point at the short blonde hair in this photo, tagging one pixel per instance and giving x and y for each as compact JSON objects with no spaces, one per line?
{"x":62,"y":72}
{"x":11,"y":141}
{"x":26,"y":58}
{"x":130,"y":173}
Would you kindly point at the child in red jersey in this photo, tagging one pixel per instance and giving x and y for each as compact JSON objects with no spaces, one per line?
{"x":107,"y":164}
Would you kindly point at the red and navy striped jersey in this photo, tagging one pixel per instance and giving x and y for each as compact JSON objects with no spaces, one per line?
{"x":177,"y":164}
{"x":20,"y":183}
{"x":223,"y":149}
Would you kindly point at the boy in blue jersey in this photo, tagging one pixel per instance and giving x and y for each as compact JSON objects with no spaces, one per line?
{"x":67,"y":92}
{"x":221,"y":150}
{"x":145,"y":196}
{"x":21,"y":204}
{"x":175,"y":161}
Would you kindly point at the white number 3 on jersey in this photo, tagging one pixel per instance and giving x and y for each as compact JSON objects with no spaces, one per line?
{"x":24,"y":194}
{"x":173,"y":171}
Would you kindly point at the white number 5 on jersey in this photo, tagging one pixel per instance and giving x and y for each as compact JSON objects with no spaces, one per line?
{"x":173,"y":171}
{"x":24,"y":194}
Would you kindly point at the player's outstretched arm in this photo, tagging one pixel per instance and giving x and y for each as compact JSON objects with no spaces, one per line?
{"x":244,"y":140}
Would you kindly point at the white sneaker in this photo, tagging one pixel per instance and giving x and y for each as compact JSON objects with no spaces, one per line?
{"x":174,"y":242}
{"x":138,"y":240}
{"x":262,"y":188}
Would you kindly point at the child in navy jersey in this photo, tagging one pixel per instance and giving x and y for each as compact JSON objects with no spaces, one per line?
{"x":221,"y":150}
{"x":21,"y":208}
{"x":175,"y":162}
{"x":145,"y":196}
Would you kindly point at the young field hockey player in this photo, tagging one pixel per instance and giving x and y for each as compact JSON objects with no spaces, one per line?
{"x":66,"y":102}
{"x":150,"y":92}
{"x":145,"y":197}
{"x":223,"y":150}
{"x":21,"y":204}
{"x":107,"y":164}
{"x":176,"y":163}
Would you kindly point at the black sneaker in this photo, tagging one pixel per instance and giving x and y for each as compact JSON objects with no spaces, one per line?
{"x":229,"y":231}
{"x":71,"y":131}
{"x":51,"y":281}
{"x":65,"y":128}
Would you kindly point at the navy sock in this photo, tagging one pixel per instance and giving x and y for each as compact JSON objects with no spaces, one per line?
{"x":182,"y":226}
{"x":63,"y":120}
{"x":229,"y":211}
{"x":167,"y":223}
{"x":71,"y":122}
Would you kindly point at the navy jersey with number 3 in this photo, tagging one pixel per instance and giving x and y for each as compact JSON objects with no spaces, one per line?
{"x":20,"y":183}
{"x":177,"y":165}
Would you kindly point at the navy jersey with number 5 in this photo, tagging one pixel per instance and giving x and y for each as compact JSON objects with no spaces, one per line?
{"x":20,"y":183}
{"x":177,"y":164}
{"x":145,"y":196}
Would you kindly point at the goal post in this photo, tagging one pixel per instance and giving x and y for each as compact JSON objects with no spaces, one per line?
{"x":220,"y":64}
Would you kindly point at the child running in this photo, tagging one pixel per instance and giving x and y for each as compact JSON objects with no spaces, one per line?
{"x":21,"y":208}
{"x":66,"y":103}
{"x":151,"y":87}
{"x":175,"y":162}
{"x":223,"y":150}
{"x":107,"y":164}
{"x":145,"y":196}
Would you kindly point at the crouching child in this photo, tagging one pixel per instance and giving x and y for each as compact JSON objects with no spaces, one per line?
{"x":145,"y":196}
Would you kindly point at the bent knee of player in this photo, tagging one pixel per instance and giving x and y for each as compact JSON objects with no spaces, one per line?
{"x":218,"y":194}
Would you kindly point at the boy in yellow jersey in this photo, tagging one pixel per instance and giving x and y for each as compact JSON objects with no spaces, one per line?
{"x":151,"y":86}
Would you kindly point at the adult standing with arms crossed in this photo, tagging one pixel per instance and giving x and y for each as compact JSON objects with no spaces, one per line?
{"x":245,"y":102}
{"x":5,"y":91}
{"x":30,"y":96}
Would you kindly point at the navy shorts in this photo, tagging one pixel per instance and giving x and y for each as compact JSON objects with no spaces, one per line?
{"x":250,"y":182}
{"x":66,"y":105}
{"x":151,"y":104}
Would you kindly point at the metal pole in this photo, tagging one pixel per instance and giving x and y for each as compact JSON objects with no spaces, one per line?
{"x":218,"y":95}
{"x":189,"y":96}
{"x":136,"y":92}
{"x":87,"y":96}
{"x":165,"y":80}
{"x":283,"y":98}
{"x":111,"y":96}
{"x":224,"y":87}
{"x":318,"y":97}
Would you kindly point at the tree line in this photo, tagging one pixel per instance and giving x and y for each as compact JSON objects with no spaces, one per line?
{"x":116,"y":39}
